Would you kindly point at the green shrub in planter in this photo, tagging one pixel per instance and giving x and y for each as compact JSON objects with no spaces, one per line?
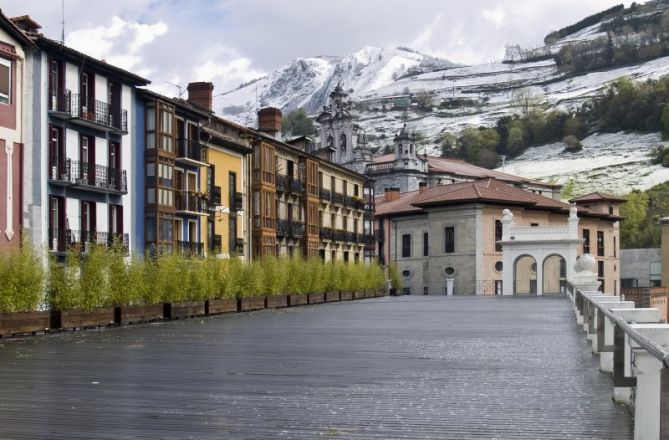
{"x":395,"y":278}
{"x":251,"y":282}
{"x":22,"y":279}
{"x":173,"y":277}
{"x":275,"y":277}
{"x":230,"y":275}
{"x":317,"y":276}
{"x":376,"y":280}
{"x":129,"y":280}
{"x":298,"y":282}
{"x":204,"y":278}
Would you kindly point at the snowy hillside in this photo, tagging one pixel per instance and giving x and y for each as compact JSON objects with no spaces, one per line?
{"x":380,"y":78}
{"x":307,"y":82}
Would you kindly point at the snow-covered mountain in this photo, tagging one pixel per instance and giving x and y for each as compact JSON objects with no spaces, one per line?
{"x":307,"y":82}
{"x":378,"y":79}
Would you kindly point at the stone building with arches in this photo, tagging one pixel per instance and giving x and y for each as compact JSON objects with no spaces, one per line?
{"x":489,"y":237}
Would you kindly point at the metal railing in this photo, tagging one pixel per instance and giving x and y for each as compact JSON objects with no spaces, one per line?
{"x":381,"y":167}
{"x":287,"y":228}
{"x":189,"y":201}
{"x":289,"y":184}
{"x":660,"y":352}
{"x":635,"y":380}
{"x":60,"y":240}
{"x":189,"y":247}
{"x":325,"y":194}
{"x":86,"y":174}
{"x":97,"y":112}
{"x":191,"y":149}
{"x":237,"y":202}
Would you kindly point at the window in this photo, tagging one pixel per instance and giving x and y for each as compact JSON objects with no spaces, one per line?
{"x":586,"y":241}
{"x":498,"y":235}
{"x":426,"y":245}
{"x":232,"y":234}
{"x":600,"y":243}
{"x":655,"y":274}
{"x":600,"y":275}
{"x":449,"y":271}
{"x":232,"y":189}
{"x":5,"y":81}
{"x":499,"y":266}
{"x":534,"y":225}
{"x":615,"y":247}
{"x":406,"y":245}
{"x":449,"y":240}
{"x":356,"y":190}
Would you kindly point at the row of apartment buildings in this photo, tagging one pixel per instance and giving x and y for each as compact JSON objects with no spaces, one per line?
{"x":92,"y":156}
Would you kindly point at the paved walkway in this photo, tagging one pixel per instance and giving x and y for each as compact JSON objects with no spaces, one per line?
{"x":389,"y":368}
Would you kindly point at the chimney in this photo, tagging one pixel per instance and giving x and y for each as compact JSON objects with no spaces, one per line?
{"x":269,"y":121}
{"x":391,"y":194}
{"x":200,"y":94}
{"x":422,"y":186}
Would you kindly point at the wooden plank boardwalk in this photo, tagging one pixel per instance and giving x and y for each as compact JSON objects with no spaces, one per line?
{"x":389,"y":368}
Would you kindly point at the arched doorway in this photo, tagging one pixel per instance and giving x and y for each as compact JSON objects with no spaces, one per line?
{"x":554,"y":274}
{"x":525,"y":275}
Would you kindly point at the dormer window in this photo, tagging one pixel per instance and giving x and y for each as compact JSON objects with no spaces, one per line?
{"x":5,"y":81}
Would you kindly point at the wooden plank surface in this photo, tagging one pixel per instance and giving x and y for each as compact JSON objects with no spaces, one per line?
{"x":387,"y":368}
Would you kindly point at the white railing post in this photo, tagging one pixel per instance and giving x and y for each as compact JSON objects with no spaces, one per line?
{"x":599,"y":319}
{"x":640,"y":316}
{"x":647,"y":369}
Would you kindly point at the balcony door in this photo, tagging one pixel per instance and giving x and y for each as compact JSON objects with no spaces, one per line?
{"x":87,"y":221}
{"x":115,"y":164}
{"x":87,"y":159}
{"x":232,"y":189}
{"x":115,"y":222}
{"x":191,"y":184}
{"x":114,"y":100}
{"x":56,"y":154}
{"x":57,"y":224}
{"x":56,"y":85}
{"x":87,"y":95}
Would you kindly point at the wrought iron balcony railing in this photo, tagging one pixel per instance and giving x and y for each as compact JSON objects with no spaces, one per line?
{"x":338,"y":198}
{"x":215,"y":196}
{"x":239,"y":246}
{"x":86,"y":175}
{"x":192,"y":150}
{"x":216,"y":243}
{"x":287,"y":228}
{"x":325,"y":194}
{"x":60,"y":240}
{"x":189,"y":201}
{"x":237,"y":203}
{"x":289,"y":184}
{"x":326,"y":234}
{"x":189,"y":247}
{"x":95,"y":112}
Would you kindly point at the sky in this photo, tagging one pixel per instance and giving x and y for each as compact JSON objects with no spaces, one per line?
{"x":228,"y":42}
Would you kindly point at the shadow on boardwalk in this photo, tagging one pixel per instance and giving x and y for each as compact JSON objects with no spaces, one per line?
{"x":409,"y":367}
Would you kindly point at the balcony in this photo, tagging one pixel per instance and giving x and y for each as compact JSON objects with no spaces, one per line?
{"x":214,"y":197}
{"x":289,"y":184}
{"x":286,"y":228}
{"x":326,"y":234}
{"x":237,"y":203}
{"x":60,"y":240}
{"x":216,"y":243}
{"x":189,"y":247}
{"x":90,"y":177}
{"x":338,"y":198}
{"x":99,"y":115}
{"x":325,"y":195}
{"x":191,"y":151}
{"x":187,"y":201}
{"x":239,"y":246}
{"x":339,"y":235}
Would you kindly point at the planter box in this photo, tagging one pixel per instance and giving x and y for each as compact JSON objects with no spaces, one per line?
{"x":73,"y":319}
{"x":219,"y":306}
{"x":298,"y":300}
{"x":277,"y":301}
{"x":250,"y":304}
{"x":135,"y":314}
{"x":183,"y":309}
{"x":332,"y":296}
{"x":358,"y":295}
{"x":316,"y":298}
{"x":346,"y":296}
{"x":26,"y":322}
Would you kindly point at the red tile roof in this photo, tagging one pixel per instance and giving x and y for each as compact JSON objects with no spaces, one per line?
{"x":461,"y":168}
{"x":489,"y":191}
{"x":598,"y":197}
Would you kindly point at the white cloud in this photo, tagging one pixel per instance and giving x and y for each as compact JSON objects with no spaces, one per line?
{"x":119,"y":42}
{"x":227,"y":75}
{"x":496,"y":15}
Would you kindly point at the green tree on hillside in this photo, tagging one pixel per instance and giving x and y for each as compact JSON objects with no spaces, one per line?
{"x":296,"y":123}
